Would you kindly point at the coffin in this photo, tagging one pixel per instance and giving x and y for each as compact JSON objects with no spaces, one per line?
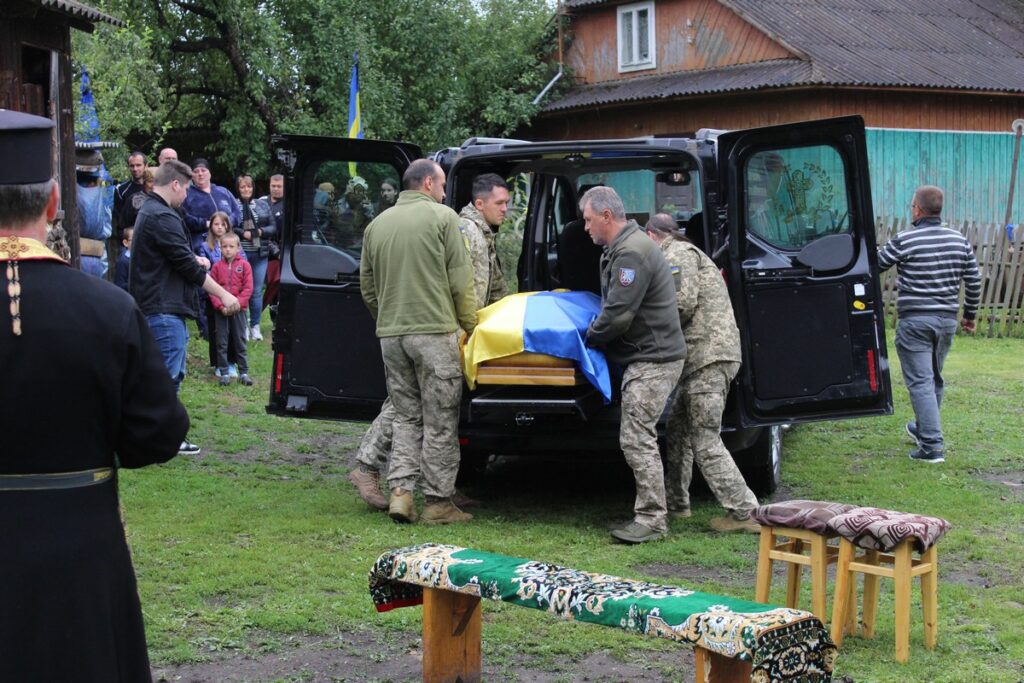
{"x":530,"y":368}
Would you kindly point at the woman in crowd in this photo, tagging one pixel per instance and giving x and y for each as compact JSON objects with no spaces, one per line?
{"x":256,"y":230}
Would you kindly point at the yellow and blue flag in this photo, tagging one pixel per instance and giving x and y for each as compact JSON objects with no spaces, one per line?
{"x":552,"y":323}
{"x":355,"y":120}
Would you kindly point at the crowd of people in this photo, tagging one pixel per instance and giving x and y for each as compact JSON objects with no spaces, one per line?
{"x":204,"y":232}
{"x":232,"y":237}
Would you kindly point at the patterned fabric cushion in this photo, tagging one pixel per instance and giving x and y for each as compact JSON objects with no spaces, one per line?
{"x":877,"y":529}
{"x":812,"y":515}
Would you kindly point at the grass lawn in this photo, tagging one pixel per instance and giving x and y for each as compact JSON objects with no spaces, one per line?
{"x":261,"y":540}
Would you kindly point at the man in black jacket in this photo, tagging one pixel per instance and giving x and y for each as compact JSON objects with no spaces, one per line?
{"x":638,"y":328}
{"x":129,"y":196}
{"x":165,"y":274}
{"x":84,"y":391}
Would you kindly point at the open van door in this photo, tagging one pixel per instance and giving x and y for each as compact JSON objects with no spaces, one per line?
{"x":803,"y":273}
{"x":327,"y":360}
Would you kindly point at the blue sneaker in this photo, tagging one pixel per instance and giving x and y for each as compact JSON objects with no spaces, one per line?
{"x":923,"y":455}
{"x":911,"y":428}
{"x":232,"y":370}
{"x":216,"y":372}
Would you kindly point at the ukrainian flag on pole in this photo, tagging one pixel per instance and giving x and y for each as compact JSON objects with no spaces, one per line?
{"x":355,"y":121}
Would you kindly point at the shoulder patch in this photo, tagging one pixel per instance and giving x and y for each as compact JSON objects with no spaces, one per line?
{"x":626,"y":276}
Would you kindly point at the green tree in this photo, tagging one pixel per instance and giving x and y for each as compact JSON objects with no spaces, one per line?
{"x":228,"y":74}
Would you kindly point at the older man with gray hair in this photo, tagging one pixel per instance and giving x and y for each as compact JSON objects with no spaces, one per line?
{"x":637,"y":328}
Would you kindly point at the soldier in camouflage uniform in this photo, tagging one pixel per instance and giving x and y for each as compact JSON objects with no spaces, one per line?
{"x":694,"y":430}
{"x":479,"y":221}
{"x":637,"y":328}
{"x":417,"y":282}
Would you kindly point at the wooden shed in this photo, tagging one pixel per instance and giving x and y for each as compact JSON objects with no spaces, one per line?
{"x":938,"y":83}
{"x":36,"y":78}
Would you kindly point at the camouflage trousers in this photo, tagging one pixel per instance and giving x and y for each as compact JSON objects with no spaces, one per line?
{"x":645,"y":391}
{"x":694,"y":434}
{"x":425,"y":385}
{"x":375,"y":447}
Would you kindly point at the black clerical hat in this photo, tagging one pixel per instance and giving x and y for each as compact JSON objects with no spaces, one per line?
{"x":26,"y":148}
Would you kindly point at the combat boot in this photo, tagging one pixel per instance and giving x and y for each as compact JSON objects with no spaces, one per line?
{"x":367,"y":483}
{"x":729,"y":523}
{"x":461,"y":500}
{"x":679,"y":513}
{"x":635,"y":532}
{"x":401,"y":508}
{"x":443,"y":511}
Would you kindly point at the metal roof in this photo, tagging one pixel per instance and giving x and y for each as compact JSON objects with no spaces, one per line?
{"x":77,"y":10}
{"x":777,"y":73}
{"x":940,"y":44}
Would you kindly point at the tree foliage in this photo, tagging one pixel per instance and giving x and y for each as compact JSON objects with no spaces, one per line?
{"x":219,"y":77}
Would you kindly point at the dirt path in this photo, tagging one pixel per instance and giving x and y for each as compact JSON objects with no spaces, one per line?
{"x":367,"y":657}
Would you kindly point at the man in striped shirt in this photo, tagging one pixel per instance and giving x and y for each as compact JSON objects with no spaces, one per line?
{"x":931,"y":261}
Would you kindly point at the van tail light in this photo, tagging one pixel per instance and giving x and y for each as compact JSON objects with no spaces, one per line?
{"x":463,"y":441}
{"x":278,"y":372}
{"x":872,"y":371}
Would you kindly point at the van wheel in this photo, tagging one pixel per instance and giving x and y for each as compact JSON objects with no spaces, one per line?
{"x":472,"y":466}
{"x":761,"y":463}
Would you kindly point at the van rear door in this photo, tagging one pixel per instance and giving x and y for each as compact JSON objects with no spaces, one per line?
{"x":327,"y":360}
{"x":803,"y":272}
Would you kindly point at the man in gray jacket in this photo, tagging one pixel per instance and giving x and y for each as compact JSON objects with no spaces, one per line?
{"x":638,"y":328}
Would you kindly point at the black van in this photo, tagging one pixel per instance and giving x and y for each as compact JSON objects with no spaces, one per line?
{"x":785,"y":211}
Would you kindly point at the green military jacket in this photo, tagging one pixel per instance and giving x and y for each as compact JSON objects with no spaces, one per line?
{"x":488,"y":281}
{"x":638,"y":319}
{"x":705,"y":311}
{"x":414,"y":273}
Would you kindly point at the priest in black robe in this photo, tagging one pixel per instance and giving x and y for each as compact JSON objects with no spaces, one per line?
{"x":84,"y":392}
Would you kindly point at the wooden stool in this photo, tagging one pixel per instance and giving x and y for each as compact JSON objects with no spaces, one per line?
{"x":888,"y":538}
{"x":805,"y":524}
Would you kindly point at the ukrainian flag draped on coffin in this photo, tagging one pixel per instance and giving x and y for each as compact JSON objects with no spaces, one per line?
{"x":551,"y":323}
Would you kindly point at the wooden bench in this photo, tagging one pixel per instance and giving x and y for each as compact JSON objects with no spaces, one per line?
{"x":734,"y":640}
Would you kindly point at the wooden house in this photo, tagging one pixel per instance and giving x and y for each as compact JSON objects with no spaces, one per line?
{"x":36,"y":78}
{"x":938,"y":82}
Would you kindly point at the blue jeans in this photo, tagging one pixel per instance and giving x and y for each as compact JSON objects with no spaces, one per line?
{"x":259,"y":274}
{"x":171,"y":336}
{"x":922,"y":342}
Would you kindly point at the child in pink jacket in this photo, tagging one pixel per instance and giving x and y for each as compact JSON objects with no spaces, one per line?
{"x":234,"y":274}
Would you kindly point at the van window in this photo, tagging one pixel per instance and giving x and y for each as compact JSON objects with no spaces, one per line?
{"x":645,"y":193}
{"x":795,"y":196}
{"x":338,"y":199}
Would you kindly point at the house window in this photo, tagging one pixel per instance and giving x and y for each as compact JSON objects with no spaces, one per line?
{"x":636,"y":36}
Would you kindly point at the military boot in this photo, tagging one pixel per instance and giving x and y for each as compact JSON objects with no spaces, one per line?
{"x":679,"y":513}
{"x":443,"y":511}
{"x":461,"y":500}
{"x":367,"y":482}
{"x":401,"y":508}
{"x":635,"y":532}
{"x":730,"y":523}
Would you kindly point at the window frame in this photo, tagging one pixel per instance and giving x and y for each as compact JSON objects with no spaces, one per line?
{"x":635,"y":9}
